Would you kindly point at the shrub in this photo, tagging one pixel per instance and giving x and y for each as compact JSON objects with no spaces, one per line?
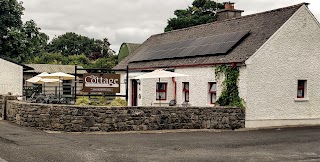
{"x":118,"y":102}
{"x":83,"y":101}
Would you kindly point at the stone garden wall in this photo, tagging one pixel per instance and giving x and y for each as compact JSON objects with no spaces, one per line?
{"x":78,"y":118}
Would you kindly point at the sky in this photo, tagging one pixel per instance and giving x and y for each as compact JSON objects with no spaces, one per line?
{"x":120,"y":21}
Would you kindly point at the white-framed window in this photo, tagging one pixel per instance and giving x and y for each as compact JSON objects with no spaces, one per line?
{"x":302,"y":89}
{"x":161,"y":91}
{"x":212,"y":92}
{"x":186,"y":91}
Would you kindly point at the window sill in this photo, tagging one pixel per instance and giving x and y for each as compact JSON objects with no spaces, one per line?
{"x":301,"y":99}
{"x":161,"y":101}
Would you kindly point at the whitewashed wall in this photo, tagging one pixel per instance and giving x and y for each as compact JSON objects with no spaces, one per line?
{"x":11,"y":77}
{"x":199,"y":78}
{"x":291,"y":54}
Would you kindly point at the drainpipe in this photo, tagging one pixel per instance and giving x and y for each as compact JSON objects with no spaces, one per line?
{"x":175,"y":88}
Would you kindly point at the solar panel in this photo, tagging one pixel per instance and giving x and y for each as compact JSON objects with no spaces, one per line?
{"x":211,"y":45}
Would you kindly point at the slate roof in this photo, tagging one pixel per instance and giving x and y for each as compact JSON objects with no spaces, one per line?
{"x":52,"y":68}
{"x":261,"y":26}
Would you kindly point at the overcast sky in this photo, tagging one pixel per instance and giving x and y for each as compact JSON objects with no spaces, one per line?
{"x":125,"y":20}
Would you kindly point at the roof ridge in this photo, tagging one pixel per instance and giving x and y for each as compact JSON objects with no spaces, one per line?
{"x":241,"y":17}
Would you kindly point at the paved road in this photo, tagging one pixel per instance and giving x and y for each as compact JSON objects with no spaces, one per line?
{"x":28,"y":144}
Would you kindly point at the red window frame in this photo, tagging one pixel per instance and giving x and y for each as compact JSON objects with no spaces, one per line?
{"x":301,"y":89}
{"x":186,"y":91}
{"x":212,"y":92}
{"x":161,"y":91}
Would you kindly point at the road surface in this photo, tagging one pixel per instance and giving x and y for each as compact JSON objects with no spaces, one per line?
{"x":19,"y":144}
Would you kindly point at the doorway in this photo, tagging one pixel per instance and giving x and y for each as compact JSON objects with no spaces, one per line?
{"x":134,"y":93}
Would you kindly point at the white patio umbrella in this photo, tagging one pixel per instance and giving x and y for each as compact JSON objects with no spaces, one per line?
{"x":39,"y":80}
{"x":42,"y":74}
{"x":160,"y":73}
{"x":59,"y":76}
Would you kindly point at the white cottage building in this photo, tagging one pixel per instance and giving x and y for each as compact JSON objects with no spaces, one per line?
{"x":11,"y":77}
{"x":277,"y":52}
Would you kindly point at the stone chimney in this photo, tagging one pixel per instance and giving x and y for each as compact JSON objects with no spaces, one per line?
{"x":229,"y":12}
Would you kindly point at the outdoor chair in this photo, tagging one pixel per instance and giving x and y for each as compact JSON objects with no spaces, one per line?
{"x":53,"y":100}
{"x":63,"y":101}
{"x":46,"y":99}
{"x":39,"y":99}
{"x":32,"y":98}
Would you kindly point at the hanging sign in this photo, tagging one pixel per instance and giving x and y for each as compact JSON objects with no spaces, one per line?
{"x":106,"y":83}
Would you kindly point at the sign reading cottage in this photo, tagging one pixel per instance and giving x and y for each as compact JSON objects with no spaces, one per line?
{"x":96,"y":82}
{"x":276,"y":53}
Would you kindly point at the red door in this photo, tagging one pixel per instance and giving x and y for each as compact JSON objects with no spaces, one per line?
{"x":134,"y":93}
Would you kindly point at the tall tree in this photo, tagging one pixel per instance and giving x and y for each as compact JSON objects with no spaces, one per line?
{"x":24,"y":42}
{"x":18,"y":41}
{"x":10,"y":20}
{"x":74,"y":44}
{"x":10,"y":16}
{"x":201,"y":12}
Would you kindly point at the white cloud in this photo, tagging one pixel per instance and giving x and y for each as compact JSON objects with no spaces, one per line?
{"x":124,"y":20}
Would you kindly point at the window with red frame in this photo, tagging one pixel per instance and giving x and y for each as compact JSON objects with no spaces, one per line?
{"x":161,"y":91}
{"x":213,"y":92}
{"x":186,"y":91}
{"x":301,"y":92}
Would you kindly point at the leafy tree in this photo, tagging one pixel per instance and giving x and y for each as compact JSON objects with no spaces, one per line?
{"x":201,"y":12}
{"x":18,"y":41}
{"x":24,"y":42}
{"x":78,"y":60}
{"x":58,"y":58}
{"x":108,"y":62}
{"x":74,"y":44}
{"x":49,"y":58}
{"x":10,"y":18}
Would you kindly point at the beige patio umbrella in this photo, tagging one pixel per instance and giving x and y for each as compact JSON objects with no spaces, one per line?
{"x":39,"y":80}
{"x":59,"y":76}
{"x":160,"y":73}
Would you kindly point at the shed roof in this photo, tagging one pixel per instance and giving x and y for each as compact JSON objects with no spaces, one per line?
{"x":52,"y":68}
{"x":261,"y":26}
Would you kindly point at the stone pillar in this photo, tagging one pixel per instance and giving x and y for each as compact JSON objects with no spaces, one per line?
{"x":1,"y":109}
{"x":4,"y":105}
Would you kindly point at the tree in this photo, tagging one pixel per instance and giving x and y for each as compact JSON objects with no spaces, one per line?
{"x":10,"y":18}
{"x":74,"y":44}
{"x":201,"y":12}
{"x":106,"y":62}
{"x":24,"y":42}
{"x":18,"y":41}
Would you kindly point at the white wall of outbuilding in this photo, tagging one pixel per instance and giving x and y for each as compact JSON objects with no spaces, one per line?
{"x":11,"y":78}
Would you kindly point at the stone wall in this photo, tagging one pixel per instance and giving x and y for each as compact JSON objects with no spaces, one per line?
{"x":78,"y":118}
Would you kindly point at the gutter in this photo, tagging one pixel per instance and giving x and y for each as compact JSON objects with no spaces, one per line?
{"x":194,"y":65}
